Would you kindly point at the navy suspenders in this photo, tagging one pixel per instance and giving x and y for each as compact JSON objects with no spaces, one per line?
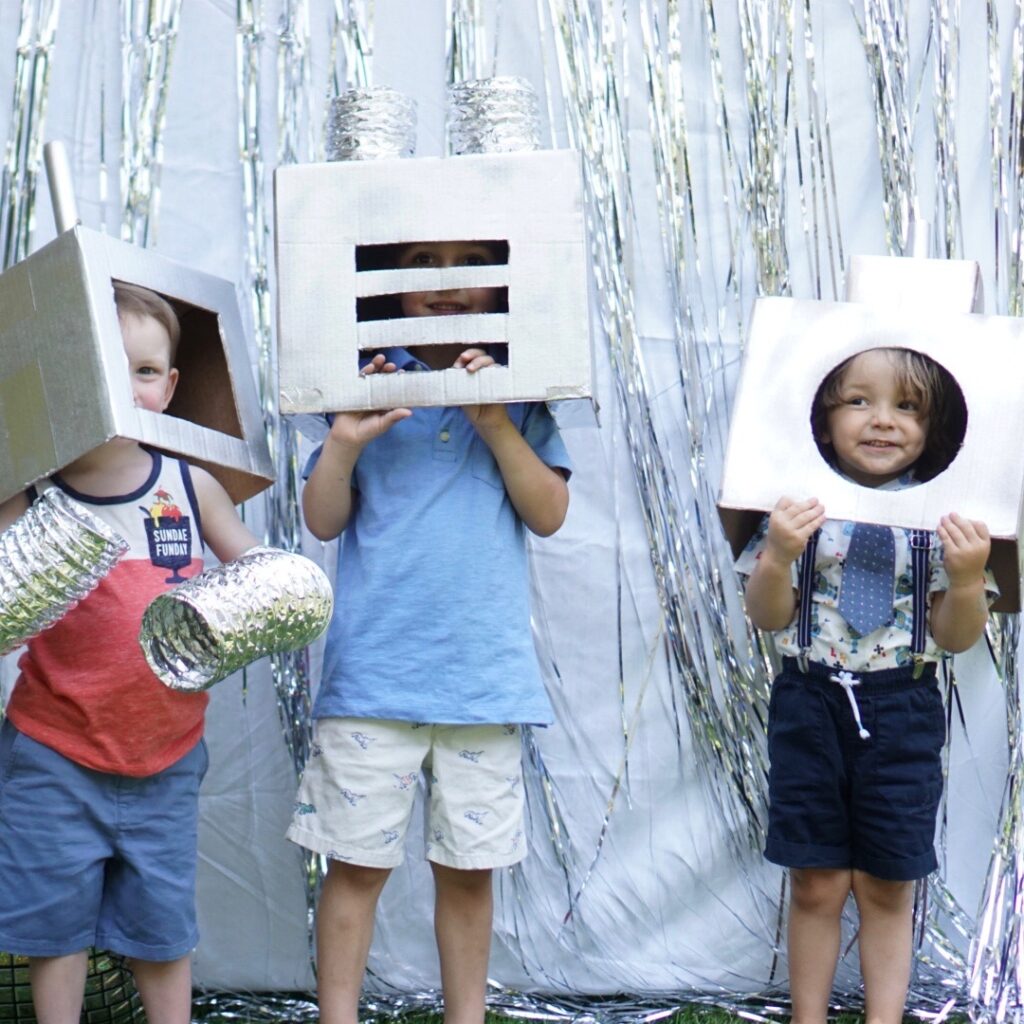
{"x":920,"y":544}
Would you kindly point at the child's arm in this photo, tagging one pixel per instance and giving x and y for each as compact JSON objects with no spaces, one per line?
{"x":770,"y":597}
{"x":538,"y":493}
{"x":224,"y":533}
{"x":327,"y":496}
{"x":959,"y":614}
{"x":12,"y":509}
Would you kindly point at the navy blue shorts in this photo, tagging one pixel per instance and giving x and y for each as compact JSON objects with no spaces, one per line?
{"x":92,"y":859}
{"x":839,"y":801}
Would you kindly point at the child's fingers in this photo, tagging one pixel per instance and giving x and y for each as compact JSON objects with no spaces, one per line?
{"x":957,"y":530}
{"x":473,"y":359}
{"x":378,"y":364}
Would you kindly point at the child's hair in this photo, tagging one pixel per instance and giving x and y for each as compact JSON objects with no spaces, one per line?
{"x":929,"y":384}
{"x":134,"y":300}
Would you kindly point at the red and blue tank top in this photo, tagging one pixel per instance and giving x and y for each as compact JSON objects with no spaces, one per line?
{"x":84,"y":687}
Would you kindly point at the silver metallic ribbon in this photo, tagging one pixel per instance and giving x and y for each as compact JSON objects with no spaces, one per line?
{"x":149,"y":29}
{"x":37,"y":32}
{"x":52,"y":556}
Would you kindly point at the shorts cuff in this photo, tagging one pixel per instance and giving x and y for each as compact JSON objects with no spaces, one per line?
{"x":121,"y":946}
{"x":898,"y":869}
{"x":347,"y":854}
{"x":45,"y":947}
{"x":478,"y":862}
{"x":806,"y":855}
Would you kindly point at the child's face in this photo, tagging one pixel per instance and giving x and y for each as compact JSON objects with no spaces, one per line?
{"x":457,"y":300}
{"x":877,"y":431}
{"x":148,"y":347}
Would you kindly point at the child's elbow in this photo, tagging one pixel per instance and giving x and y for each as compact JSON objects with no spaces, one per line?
{"x":553,"y":515}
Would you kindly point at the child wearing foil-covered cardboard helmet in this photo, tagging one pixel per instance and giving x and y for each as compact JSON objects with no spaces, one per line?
{"x":100,"y":762}
{"x":861,"y":615}
{"x":429,"y":668}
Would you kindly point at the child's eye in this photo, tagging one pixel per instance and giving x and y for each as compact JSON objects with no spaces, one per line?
{"x":908,"y":405}
{"x":474,"y":259}
{"x":856,"y":400}
{"x":422,"y":259}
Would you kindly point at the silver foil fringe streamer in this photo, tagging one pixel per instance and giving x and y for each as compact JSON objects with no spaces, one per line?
{"x":37,"y":32}
{"x":52,"y":556}
{"x":148,"y":33}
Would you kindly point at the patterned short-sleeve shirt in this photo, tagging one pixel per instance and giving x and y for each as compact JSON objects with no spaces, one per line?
{"x":833,"y":640}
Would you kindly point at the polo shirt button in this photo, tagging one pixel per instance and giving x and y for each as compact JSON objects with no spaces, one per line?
{"x":445,"y":435}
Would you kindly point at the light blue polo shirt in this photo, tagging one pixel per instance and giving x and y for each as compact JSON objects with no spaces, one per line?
{"x":432,"y":615}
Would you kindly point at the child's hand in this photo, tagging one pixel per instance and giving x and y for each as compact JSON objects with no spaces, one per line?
{"x":482,"y":417}
{"x":357,"y":429}
{"x":966,"y":546}
{"x":790,"y":526}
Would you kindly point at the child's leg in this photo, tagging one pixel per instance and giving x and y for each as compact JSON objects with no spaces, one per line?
{"x":815,"y":907}
{"x":886,"y":944}
{"x":58,"y":987}
{"x":344,"y":930}
{"x":165,"y":988}
{"x":463,"y":914}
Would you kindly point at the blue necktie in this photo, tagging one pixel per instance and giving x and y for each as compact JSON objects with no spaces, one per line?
{"x":866,"y":594}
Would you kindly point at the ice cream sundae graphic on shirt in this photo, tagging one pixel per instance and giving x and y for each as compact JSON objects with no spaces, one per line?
{"x":169,"y":534}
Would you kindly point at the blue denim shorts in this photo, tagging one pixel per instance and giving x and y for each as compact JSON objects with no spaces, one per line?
{"x":92,"y":859}
{"x":837,"y":800}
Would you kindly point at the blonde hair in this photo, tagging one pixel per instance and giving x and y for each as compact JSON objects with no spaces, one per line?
{"x":134,"y":300}
{"x":920,"y":378}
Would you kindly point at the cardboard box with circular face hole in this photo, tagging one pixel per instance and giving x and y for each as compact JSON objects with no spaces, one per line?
{"x":772,"y":450}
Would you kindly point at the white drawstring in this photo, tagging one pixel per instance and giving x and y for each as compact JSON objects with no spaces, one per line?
{"x":847,"y":680}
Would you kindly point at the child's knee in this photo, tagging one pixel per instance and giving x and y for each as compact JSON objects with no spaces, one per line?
{"x":881,"y":894}
{"x":468,"y":880}
{"x":356,"y":876}
{"x":819,"y":890}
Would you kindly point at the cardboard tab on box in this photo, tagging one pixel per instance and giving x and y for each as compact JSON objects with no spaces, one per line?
{"x":794,"y":344}
{"x":326,"y":212}
{"x":64,"y":382}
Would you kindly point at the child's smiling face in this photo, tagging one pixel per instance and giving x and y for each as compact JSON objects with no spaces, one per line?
{"x":451,"y":301}
{"x":877,"y":430}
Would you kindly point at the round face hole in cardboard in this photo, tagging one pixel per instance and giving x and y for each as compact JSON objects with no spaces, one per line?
{"x":909,"y":373}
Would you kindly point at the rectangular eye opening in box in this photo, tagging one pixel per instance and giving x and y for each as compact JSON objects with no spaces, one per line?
{"x":444,"y":293}
{"x":204,"y":394}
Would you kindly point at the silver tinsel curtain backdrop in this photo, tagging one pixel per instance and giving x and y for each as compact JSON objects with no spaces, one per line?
{"x":730,"y":149}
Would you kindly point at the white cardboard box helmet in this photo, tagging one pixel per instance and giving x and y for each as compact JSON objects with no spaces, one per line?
{"x":64,"y":383}
{"x":324,"y":212}
{"x":791,"y":348}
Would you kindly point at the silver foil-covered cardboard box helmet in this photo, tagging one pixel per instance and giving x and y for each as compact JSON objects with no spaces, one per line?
{"x":325,"y":212}
{"x":794,"y":344}
{"x":64,"y":383}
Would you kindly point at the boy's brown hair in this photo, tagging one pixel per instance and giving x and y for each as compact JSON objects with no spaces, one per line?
{"x":134,"y":300}
{"x":919,"y":377}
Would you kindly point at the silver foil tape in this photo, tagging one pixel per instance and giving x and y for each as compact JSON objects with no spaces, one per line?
{"x":265,"y":602}
{"x":492,"y":115}
{"x":50,"y":558}
{"x":375,"y":123}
